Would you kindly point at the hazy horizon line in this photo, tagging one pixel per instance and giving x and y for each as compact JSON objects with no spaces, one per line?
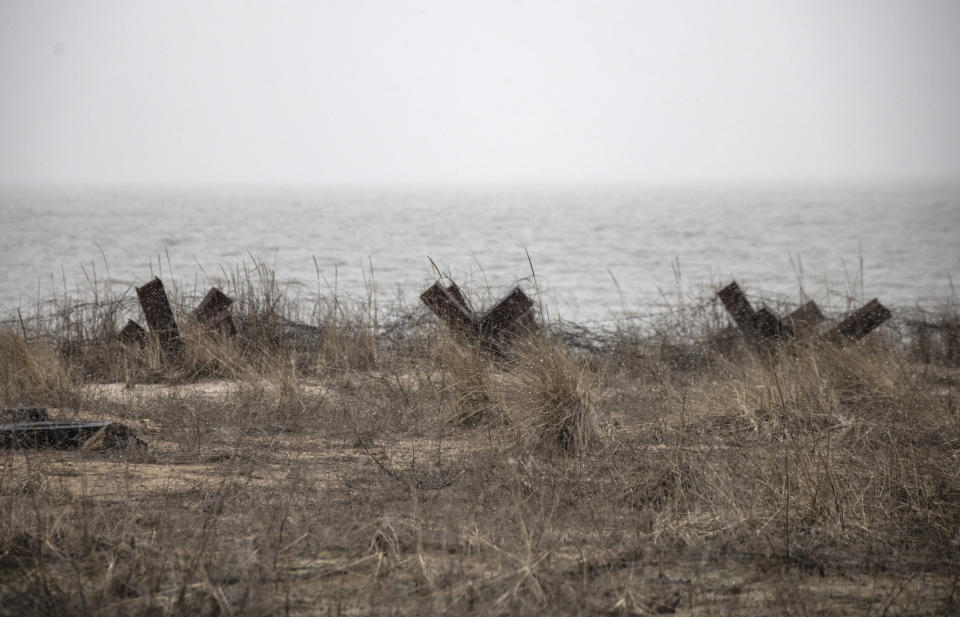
{"x":788,"y":182}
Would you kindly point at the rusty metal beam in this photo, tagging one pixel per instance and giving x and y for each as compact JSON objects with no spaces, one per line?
{"x":457,"y":295}
{"x":738,"y":306}
{"x":156,"y":308}
{"x":862,"y":321}
{"x":805,"y":318}
{"x":507,"y":312}
{"x":133,"y":334}
{"x":510,"y":314}
{"x":755,"y":325}
{"x":445,"y":304}
{"x":766,"y":324}
{"x":214,"y":312}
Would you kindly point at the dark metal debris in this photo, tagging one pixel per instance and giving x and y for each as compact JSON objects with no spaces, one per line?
{"x":65,"y":435}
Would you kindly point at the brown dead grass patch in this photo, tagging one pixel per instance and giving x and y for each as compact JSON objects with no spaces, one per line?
{"x":411,"y":474}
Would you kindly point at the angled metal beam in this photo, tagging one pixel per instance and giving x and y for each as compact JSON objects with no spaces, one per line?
{"x":506,"y":313}
{"x":805,"y":318}
{"x":214,"y":312}
{"x":758,"y":325}
{"x":738,"y":306}
{"x":133,"y":334}
{"x":862,"y":321}
{"x":766,"y":324}
{"x":156,"y":308}
{"x":510,"y":314}
{"x":447,"y":305}
{"x":457,"y":295}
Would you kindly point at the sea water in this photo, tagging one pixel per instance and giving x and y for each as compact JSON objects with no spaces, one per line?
{"x":595,"y":253}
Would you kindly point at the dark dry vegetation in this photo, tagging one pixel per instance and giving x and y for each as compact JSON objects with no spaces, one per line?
{"x":365,"y":464}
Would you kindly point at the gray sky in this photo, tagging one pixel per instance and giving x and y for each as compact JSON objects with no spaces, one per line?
{"x":446,"y":91}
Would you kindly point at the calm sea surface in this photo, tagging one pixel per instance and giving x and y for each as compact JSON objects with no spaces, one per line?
{"x":596,"y":252}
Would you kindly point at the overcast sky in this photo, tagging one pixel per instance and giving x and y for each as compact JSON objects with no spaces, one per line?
{"x":391,"y":91}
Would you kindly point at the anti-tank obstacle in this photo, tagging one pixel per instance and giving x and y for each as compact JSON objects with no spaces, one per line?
{"x":494,"y":328}
{"x":213,"y":313}
{"x":763,"y":326}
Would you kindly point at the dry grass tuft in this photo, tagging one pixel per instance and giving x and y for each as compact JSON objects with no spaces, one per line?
{"x":551,"y":397}
{"x":32,"y":372}
{"x":470,"y":376}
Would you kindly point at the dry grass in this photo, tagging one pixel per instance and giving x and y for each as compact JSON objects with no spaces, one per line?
{"x":32,"y":373}
{"x":347,"y":460}
{"x":550,"y":396}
